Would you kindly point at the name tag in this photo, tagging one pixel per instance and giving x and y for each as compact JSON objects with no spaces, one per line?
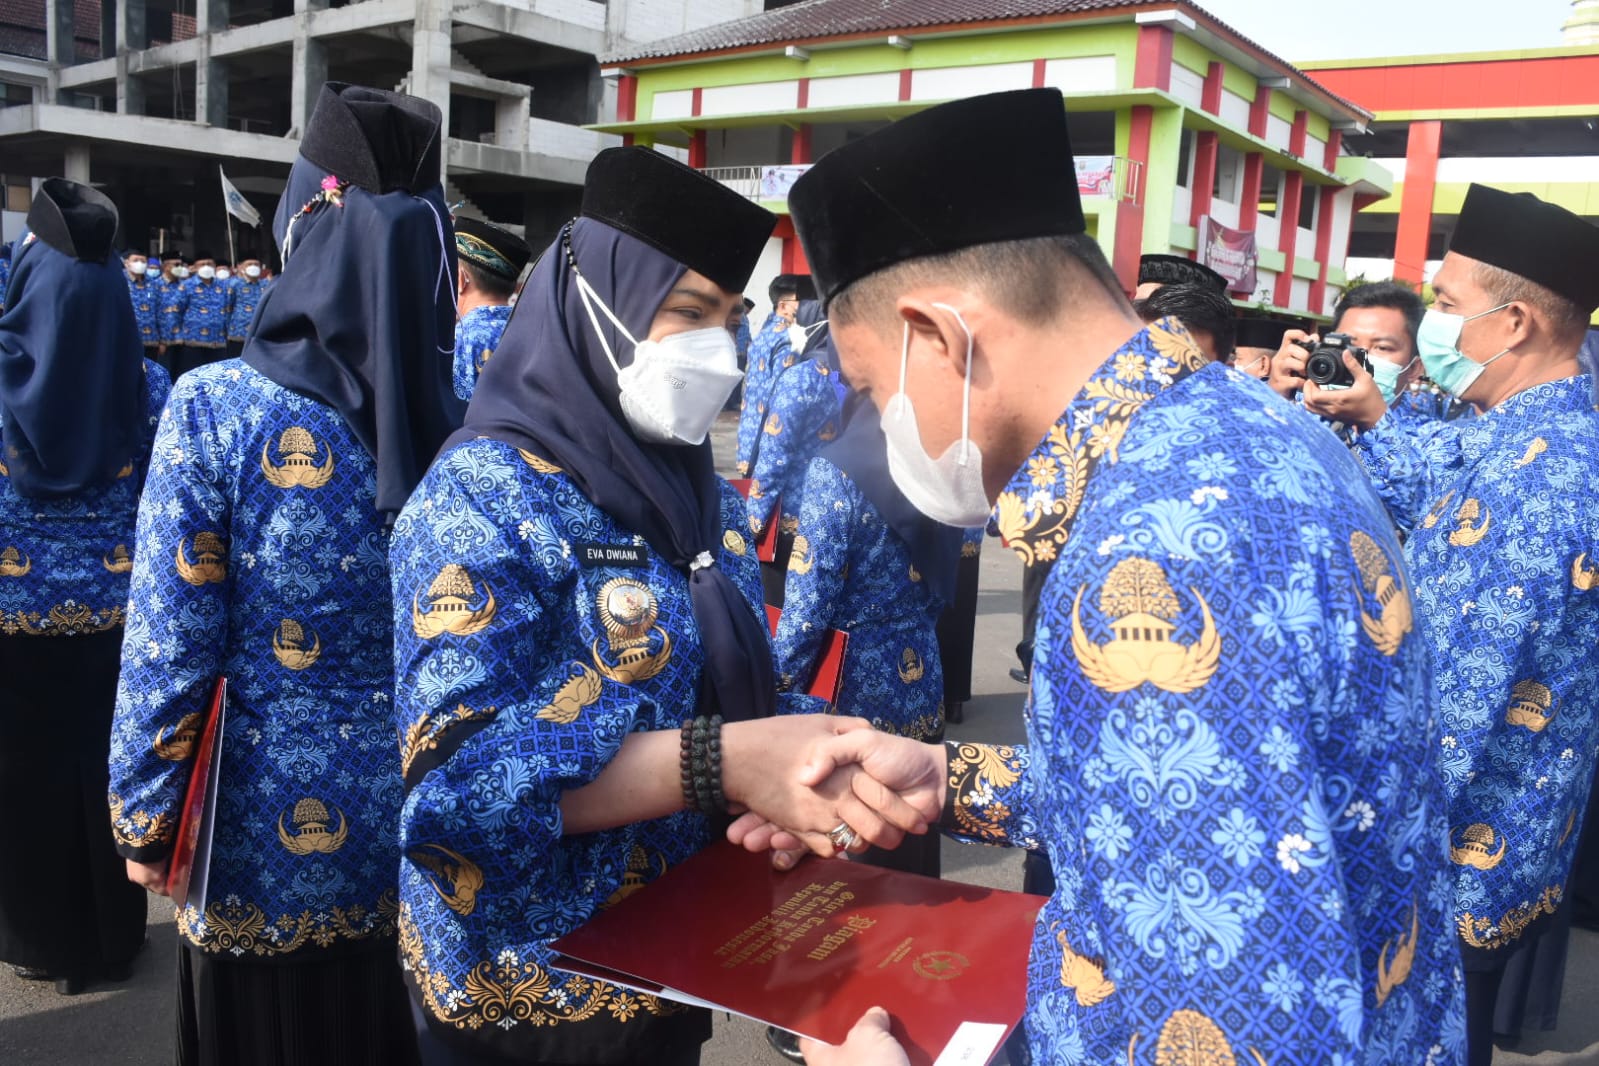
{"x":612,"y":555}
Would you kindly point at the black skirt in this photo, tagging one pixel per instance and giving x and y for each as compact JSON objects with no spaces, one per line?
{"x":957,"y":629}
{"x":345,"y":1010}
{"x":66,"y":904}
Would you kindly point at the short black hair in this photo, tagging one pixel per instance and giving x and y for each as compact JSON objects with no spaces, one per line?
{"x":1390,"y":294}
{"x":782,"y":287}
{"x":1198,"y":307}
{"x":491,"y":283}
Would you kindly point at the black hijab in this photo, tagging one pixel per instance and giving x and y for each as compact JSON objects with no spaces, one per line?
{"x":71,"y":361}
{"x":861,"y":452}
{"x":362,"y":316}
{"x":551,"y":390}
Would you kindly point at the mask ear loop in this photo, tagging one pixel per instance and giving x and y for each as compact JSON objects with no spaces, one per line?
{"x":444,"y":270}
{"x":586,"y":293}
{"x":966,"y":392}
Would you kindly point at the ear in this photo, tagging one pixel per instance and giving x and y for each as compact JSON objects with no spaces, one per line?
{"x":1519,"y":322}
{"x":934,"y":330}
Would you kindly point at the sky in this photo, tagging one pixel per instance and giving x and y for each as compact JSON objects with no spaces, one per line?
{"x":1338,"y":29}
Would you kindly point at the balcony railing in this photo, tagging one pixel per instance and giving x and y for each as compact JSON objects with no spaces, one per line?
{"x":1114,"y":177}
{"x":770,"y":182}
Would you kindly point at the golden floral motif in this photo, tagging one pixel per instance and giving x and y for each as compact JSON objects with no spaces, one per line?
{"x":63,"y":620}
{"x":1437,"y":510}
{"x":1494,"y":933}
{"x":1534,"y":449}
{"x":911,"y":668}
{"x":774,"y":425}
{"x":799,"y":560}
{"x":1143,"y":608}
{"x":1394,"y":618}
{"x":1532,"y":705}
{"x":453,"y":876}
{"x":311,"y":834}
{"x":1468,"y":530}
{"x":210,"y":563}
{"x":14,"y":563}
{"x":179,"y":744}
{"x":1083,"y":974}
{"x":974,"y":773}
{"x":453,"y":605}
{"x":581,"y":690}
{"x":118,"y":561}
{"x":140,"y":829}
{"x":1582,"y":578}
{"x":1393,"y":972}
{"x":1189,"y":1038}
{"x":1172,"y":340}
{"x":541,"y":465}
{"x":298,"y":469}
{"x":235,"y":927}
{"x":423,"y":734}
{"x":969,"y":550}
{"x":1473,"y":846}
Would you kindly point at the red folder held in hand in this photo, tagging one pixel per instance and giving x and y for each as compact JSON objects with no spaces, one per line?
{"x":189,"y":869}
{"x":829,"y":676}
{"x":766,"y":543}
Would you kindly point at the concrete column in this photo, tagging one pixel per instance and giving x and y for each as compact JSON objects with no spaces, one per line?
{"x":75,"y":166}
{"x":309,"y":72}
{"x":131,"y":35}
{"x":430,"y":56}
{"x":210,"y":75}
{"x":59,"y":45}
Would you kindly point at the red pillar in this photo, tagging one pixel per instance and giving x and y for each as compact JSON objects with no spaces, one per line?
{"x":1249,"y":203}
{"x":1415,"y":204}
{"x":801,"y":150}
{"x":1203,"y":177}
{"x":1130,"y":214}
{"x":1324,"y":234}
{"x":627,"y":98}
{"x":1259,"y":110}
{"x":1152,"y":62}
{"x":1288,"y":229}
{"x":1210,"y":95}
{"x":696,"y":150}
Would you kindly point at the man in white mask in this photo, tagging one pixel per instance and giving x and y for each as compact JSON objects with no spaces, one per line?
{"x":1229,"y":754}
{"x":200,"y":315}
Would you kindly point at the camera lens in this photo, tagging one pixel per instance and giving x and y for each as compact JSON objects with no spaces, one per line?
{"x":1322,"y":367}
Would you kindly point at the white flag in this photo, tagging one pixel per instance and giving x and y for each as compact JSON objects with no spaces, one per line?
{"x":237,"y":205}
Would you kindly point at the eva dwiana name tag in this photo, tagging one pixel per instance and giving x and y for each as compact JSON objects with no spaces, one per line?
{"x":612,"y":555}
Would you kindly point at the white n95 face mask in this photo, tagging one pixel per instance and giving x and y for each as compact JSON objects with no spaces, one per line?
{"x":800,"y":336}
{"x":948,"y":489}
{"x":675,"y":387}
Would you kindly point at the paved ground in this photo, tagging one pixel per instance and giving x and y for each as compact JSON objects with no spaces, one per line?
{"x":131,"y":1024}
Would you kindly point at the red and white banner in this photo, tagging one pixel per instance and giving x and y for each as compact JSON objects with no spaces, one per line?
{"x":1232,"y":253}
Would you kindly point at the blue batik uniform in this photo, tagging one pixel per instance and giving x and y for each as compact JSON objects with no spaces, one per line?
{"x":477,"y":334}
{"x":802,"y":415}
{"x":850,"y":571}
{"x":244,"y":296}
{"x":1504,"y":548}
{"x":200,"y":313}
{"x":520,"y":668}
{"x":770,"y":353}
{"x":261,"y":559}
{"x":5,"y":278}
{"x":1230,"y":754}
{"x":146,"y":296}
{"x":64,"y":562}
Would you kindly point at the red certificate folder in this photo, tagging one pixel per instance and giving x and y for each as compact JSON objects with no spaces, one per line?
{"x":829,"y":677}
{"x":810,"y":949}
{"x":190,"y":868}
{"x":766,"y":543}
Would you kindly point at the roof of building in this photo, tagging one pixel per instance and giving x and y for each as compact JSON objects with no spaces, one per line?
{"x":820,"y":20}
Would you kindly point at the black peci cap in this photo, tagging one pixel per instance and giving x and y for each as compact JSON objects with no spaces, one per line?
{"x":678,"y":211}
{"x":74,"y":219}
{"x":1178,"y":270}
{"x":1542,"y":242}
{"x":976,"y":171}
{"x":1254,"y":332}
{"x":377,"y":140}
{"x":487,"y":246}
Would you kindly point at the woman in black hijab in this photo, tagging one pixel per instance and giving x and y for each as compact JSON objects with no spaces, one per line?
{"x":262,"y":559}
{"x":78,"y":409}
{"x":576,"y":607}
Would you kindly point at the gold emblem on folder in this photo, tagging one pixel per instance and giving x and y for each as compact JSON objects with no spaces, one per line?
{"x":299,"y":469}
{"x":1143,"y":608}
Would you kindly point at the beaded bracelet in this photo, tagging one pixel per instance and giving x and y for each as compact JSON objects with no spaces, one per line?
{"x":686,"y":764}
{"x":700,"y":764}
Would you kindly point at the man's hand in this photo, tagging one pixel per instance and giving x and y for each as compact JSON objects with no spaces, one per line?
{"x":1288,"y":365}
{"x":151,"y":876}
{"x":870,"y":1043}
{"x":1361,"y":405}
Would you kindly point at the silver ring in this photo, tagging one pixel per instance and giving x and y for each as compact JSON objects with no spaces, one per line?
{"x":843,"y":838}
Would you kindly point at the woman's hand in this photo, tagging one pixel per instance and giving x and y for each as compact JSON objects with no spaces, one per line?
{"x":151,"y":876}
{"x":870,"y":1043}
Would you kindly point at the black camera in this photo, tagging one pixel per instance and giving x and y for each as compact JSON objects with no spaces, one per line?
{"x":1326,"y":363}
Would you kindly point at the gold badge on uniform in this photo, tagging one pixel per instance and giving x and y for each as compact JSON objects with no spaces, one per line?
{"x":1468,"y":530}
{"x":311,"y":833}
{"x":289,"y":645}
{"x":454,"y":605}
{"x":628,"y":611}
{"x":299,"y":469}
{"x":1394,"y":617}
{"x":911,"y":667}
{"x":179,"y":744}
{"x":734,"y":542}
{"x":210,"y":563}
{"x":453,"y":876}
{"x":119,"y":561}
{"x":1474,"y":846}
{"x":1143,"y":608}
{"x":1531,"y":705}
{"x":14,"y":563}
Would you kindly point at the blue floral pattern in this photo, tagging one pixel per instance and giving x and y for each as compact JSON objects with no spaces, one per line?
{"x":261,"y":558}
{"x":1504,"y":547}
{"x":802,"y":415}
{"x":146,"y":297}
{"x":770,"y":354}
{"x":1228,"y":610}
{"x":244,"y":296}
{"x":64,"y":563}
{"x":198,"y":313}
{"x":850,"y":571}
{"x":477,"y":334}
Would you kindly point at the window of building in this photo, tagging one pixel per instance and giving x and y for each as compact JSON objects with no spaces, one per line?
{"x":1271,"y":190}
{"x":14,"y":95}
{"x":1185,"y":158}
{"x":19,"y":197}
{"x":1309,"y":205}
{"x":1229,"y":170}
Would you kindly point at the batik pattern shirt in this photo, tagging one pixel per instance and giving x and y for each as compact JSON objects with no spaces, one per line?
{"x":146,"y":297}
{"x":477,"y":334}
{"x":533,"y":634}
{"x":1505,"y":553}
{"x":769,"y":354}
{"x":1230,"y":745}
{"x":199,"y":313}
{"x":262,"y":559}
{"x":801,"y":416}
{"x":244,"y":297}
{"x":5,"y":279}
{"x":64,"y":562}
{"x":850,"y":571}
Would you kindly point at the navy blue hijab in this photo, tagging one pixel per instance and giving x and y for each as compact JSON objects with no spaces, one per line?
{"x":862,"y":453}
{"x":551,"y":390}
{"x":71,"y":361}
{"x":362,"y":315}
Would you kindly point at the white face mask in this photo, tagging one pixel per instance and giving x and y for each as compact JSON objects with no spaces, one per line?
{"x":675,"y":387}
{"x":152,"y":272}
{"x":222,"y":275}
{"x":948,"y":489}
{"x":800,"y":336}
{"x":180,"y":271}
{"x":207,"y":272}
{"x":252,"y":271}
{"x":137,"y":267}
